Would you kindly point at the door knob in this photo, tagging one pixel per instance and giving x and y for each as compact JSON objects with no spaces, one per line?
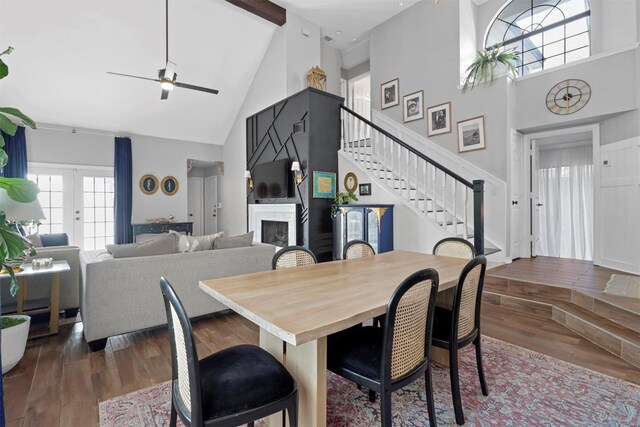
{"x":190,"y":214}
{"x":514,"y":202}
{"x":538,"y":204}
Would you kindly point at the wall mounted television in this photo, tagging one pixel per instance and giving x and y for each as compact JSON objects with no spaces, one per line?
{"x":271,"y":180}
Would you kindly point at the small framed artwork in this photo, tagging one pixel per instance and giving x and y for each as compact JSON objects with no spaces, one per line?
{"x":389,"y":94}
{"x":350,"y":182}
{"x":471,"y":134}
{"x":413,"y":106}
{"x":439,"y":119}
{"x":169,"y":185}
{"x":365,"y":189}
{"x":148,"y":184}
{"x":324,"y":185}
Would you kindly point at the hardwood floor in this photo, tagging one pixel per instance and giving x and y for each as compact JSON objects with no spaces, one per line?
{"x":59,"y":382}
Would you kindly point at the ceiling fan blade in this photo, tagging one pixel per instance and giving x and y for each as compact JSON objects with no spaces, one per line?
{"x":201,"y":89}
{"x":135,"y":77}
{"x":165,"y":94}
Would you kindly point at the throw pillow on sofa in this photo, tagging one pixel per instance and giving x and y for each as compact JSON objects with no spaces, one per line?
{"x":35,"y":240}
{"x":166,"y":244}
{"x":241,"y":241}
{"x":206,"y":242}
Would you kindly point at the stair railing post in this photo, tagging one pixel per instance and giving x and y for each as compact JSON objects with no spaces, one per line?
{"x":478,"y":216}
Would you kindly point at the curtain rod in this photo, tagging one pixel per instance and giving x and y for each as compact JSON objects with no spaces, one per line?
{"x":85,"y":132}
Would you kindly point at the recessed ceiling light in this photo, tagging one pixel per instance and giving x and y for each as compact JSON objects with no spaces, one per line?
{"x":338,"y":32}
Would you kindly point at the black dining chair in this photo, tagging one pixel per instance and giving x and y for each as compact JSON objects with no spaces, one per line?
{"x":293,"y":256}
{"x":455,"y":247}
{"x":387,"y":359}
{"x":457,"y":328}
{"x":234,"y":386}
{"x":357,"y":249}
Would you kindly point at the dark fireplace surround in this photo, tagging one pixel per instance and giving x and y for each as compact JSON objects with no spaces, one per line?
{"x":275,"y":233}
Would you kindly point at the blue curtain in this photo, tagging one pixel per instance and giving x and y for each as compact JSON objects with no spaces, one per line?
{"x":122,"y":171}
{"x":16,"y":148}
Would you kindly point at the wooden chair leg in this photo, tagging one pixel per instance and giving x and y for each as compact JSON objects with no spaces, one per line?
{"x":174,"y":415}
{"x":385,"y":407}
{"x":372,"y":396}
{"x":429,"y":390}
{"x":455,"y":385}
{"x":483,"y":381}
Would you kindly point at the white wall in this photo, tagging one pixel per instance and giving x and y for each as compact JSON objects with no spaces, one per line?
{"x":268,"y":87}
{"x":330,"y":64}
{"x":303,"y":51}
{"x":158,"y":156}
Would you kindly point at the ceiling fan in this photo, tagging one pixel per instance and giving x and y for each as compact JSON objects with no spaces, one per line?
{"x":167,"y":77}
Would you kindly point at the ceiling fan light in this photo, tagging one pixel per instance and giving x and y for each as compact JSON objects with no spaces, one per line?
{"x":167,"y":84}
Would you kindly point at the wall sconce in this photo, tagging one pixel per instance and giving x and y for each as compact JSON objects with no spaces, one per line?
{"x":247,"y":175}
{"x":297,"y":172}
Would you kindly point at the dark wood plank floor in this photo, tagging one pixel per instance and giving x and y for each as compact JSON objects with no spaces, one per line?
{"x":59,"y":382}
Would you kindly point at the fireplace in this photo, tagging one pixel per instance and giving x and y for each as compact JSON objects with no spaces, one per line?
{"x":275,"y":233}
{"x":275,"y":224}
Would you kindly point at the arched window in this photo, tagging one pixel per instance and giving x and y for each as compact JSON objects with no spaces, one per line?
{"x":546,"y":33}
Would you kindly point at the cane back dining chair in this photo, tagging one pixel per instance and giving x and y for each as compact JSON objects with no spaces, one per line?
{"x":387,"y":359}
{"x":455,"y":247}
{"x":293,"y":256}
{"x":457,"y":328}
{"x":234,"y":386}
{"x":357,"y":249}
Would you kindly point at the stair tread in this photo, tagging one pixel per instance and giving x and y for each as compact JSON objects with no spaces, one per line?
{"x":588,"y":316}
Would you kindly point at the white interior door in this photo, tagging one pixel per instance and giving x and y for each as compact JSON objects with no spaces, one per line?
{"x":535,"y":200}
{"x":211,"y":205}
{"x":93,"y":208}
{"x":517,"y":200}
{"x":195,"y":201}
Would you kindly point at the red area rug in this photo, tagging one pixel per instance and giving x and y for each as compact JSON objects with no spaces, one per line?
{"x":525,"y":389}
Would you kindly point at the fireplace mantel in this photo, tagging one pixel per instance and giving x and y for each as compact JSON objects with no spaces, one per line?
{"x":273,"y":212}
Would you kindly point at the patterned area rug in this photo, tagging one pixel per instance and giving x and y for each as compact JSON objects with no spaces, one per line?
{"x":525,"y":389}
{"x":623,"y":285}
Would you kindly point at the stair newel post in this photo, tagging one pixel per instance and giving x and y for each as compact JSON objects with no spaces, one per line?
{"x":455,"y":202}
{"x":478,"y":216}
{"x":416,"y":179}
{"x":465,"y":226}
{"x":444,"y":200}
{"x":343,"y":116}
{"x":425,"y":187}
{"x":434,"y":193}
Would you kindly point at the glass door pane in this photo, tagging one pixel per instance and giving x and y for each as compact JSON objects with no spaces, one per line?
{"x":355,"y":225}
{"x":94,"y":209}
{"x":372,"y":229}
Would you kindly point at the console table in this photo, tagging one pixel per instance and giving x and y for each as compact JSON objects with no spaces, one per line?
{"x":180,"y":227}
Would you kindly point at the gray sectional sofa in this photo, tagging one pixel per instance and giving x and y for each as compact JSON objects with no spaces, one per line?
{"x":121,"y":295}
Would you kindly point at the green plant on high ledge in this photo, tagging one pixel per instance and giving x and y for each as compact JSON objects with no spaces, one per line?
{"x":482,"y":68}
{"x":341,"y":198}
{"x":13,"y":247}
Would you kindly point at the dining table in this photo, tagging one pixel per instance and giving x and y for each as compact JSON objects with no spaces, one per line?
{"x":297,"y":308}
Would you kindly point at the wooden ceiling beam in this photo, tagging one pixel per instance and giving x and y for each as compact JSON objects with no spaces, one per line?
{"x":264,"y":9}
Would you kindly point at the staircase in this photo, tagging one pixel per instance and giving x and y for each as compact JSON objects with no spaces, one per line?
{"x":433,"y":191}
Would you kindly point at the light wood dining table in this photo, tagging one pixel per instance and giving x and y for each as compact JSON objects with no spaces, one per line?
{"x":297,"y":308}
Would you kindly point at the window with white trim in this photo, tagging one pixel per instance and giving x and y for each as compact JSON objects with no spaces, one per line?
{"x":545,"y":33}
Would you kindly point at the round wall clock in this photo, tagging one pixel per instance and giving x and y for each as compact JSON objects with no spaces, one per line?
{"x":568,"y":96}
{"x":169,"y":185}
{"x":350,"y":182}
{"x":148,"y":184}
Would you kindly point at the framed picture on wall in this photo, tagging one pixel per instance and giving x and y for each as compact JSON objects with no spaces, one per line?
{"x":471,"y":134}
{"x":439,"y":119}
{"x":413,"y":106}
{"x":169,"y":185}
{"x":389,"y":94}
{"x":324,"y":185}
{"x":365,"y":189}
{"x":149,"y":184}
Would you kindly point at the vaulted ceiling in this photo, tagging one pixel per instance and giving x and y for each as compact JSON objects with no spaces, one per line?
{"x":63,"y":50}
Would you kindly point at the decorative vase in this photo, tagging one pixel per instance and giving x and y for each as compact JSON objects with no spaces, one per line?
{"x":14,"y":341}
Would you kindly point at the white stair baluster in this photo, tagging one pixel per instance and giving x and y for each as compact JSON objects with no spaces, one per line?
{"x":455,"y":217}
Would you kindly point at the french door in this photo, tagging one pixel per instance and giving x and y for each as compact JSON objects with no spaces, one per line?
{"x":76,"y":201}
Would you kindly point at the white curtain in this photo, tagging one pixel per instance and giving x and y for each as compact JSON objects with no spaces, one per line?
{"x":565,"y":189}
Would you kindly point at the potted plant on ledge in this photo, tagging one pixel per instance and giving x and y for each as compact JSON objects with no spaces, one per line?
{"x":13,"y":247}
{"x":488,"y":63}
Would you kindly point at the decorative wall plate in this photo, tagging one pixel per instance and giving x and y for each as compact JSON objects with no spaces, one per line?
{"x":169,"y":185}
{"x":148,"y":184}
{"x":568,"y":96}
{"x":350,"y":182}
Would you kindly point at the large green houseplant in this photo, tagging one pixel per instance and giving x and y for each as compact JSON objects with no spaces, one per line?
{"x":482,"y":69}
{"x":12,"y":245}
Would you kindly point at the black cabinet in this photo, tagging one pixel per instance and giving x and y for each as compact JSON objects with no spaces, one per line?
{"x":371,"y":223}
{"x":180,"y":227}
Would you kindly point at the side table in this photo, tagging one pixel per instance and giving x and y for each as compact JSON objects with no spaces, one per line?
{"x":54,"y":301}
